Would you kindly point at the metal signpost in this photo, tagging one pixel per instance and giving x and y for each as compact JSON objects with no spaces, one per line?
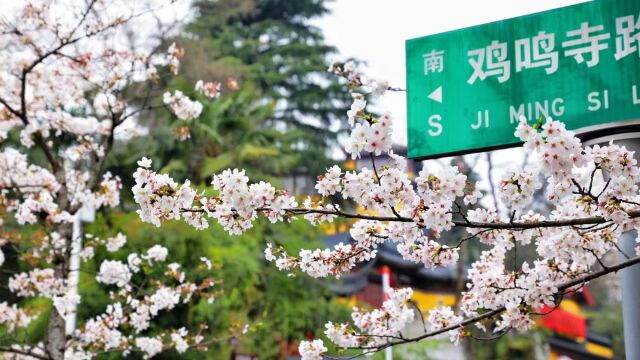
{"x":466,"y":89}
{"x":629,"y":277}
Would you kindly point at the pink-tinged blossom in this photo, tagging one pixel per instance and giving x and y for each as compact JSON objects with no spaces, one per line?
{"x":209,"y":89}
{"x":12,"y":317}
{"x":144,"y":162}
{"x":444,"y":317}
{"x":66,"y":304}
{"x":163,"y":299}
{"x":113,"y":272}
{"x":379,"y":324}
{"x":178,"y":340}
{"x":149,"y":346}
{"x":558,"y":148}
{"x":268,"y":253}
{"x":37,"y":282}
{"x":183,"y":107}
{"x":116,"y":242}
{"x":330,"y":183}
{"x":370,"y":136}
{"x":157,"y":253}
{"x":312,"y":350}
{"x":357,"y":108}
{"x":174,"y":54}
{"x":516,"y":188}
{"x":429,"y":252}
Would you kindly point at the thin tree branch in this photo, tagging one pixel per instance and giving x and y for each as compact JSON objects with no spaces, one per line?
{"x":516,"y":225}
{"x":21,"y":352}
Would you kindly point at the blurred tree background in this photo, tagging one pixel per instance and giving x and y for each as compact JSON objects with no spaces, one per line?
{"x":281,"y":112}
{"x":280,"y":309}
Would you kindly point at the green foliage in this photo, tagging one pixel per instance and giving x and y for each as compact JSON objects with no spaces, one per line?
{"x":283,"y":120}
{"x":271,"y":45}
{"x":279,"y":307}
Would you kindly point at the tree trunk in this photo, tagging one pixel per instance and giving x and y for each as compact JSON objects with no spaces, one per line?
{"x":56,"y":332}
{"x":56,"y":337}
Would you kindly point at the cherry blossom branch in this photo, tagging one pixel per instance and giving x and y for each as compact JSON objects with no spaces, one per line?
{"x":22,"y":352}
{"x":515,"y":225}
{"x":620,"y":250}
{"x":463,"y":240}
{"x":375,"y":171}
{"x":82,"y":18}
{"x":473,"y":320}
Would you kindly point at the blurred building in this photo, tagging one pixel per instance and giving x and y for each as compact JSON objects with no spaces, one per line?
{"x":572,"y":338}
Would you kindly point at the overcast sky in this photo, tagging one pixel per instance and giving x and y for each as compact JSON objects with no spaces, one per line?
{"x":375,"y":31}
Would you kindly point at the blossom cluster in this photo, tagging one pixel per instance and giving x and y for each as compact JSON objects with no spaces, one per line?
{"x":13,"y":317}
{"x":129,"y":309}
{"x":558,"y":149}
{"x":209,"y":89}
{"x":370,"y":134}
{"x":358,"y":79}
{"x":183,"y":107}
{"x":380,"y":326}
{"x":160,"y":198}
{"x":235,"y":207}
{"x":444,"y":317}
{"x":30,"y":190}
{"x":517,"y":188}
{"x":57,"y":81}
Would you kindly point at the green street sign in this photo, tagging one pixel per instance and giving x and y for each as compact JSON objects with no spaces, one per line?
{"x":466,"y":89}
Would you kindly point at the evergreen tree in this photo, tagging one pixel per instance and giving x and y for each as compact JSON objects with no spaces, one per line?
{"x":271,"y":44}
{"x":281,"y":111}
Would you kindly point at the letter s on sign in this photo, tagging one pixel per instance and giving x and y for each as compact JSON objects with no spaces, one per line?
{"x":436,"y":127}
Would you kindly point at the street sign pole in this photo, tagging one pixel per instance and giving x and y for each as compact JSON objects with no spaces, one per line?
{"x":629,"y":277}
{"x":630,"y":280}
{"x":385,"y":271}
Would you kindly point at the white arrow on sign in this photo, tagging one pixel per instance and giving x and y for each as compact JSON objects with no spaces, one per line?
{"x":436,"y":95}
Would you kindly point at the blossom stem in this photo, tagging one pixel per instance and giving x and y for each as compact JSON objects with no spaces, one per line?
{"x":515,"y":225}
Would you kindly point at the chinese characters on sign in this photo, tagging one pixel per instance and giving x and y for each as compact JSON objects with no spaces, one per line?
{"x":543,"y":53}
{"x":433,"y":62}
{"x":466,"y":89}
{"x":538,"y":51}
{"x":496,"y":62}
{"x":628,"y":39}
{"x":588,"y":41}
